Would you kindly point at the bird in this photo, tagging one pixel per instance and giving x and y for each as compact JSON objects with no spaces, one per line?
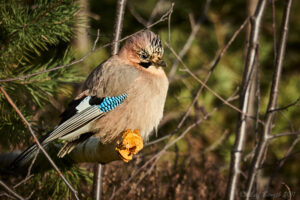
{"x":124,"y":93}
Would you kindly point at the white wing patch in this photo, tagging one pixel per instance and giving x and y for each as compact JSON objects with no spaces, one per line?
{"x":83,"y":104}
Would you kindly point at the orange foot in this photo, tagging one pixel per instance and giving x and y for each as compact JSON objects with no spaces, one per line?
{"x":131,"y":144}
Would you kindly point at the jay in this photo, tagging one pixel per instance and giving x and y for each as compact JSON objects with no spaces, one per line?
{"x":126,"y":92}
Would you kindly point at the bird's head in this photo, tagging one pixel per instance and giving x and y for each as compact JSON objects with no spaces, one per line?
{"x":143,"y":49}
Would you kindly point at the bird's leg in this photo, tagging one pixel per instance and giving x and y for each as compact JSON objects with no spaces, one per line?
{"x":130,"y":144}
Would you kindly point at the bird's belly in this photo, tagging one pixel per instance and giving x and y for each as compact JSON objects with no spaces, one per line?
{"x":142,"y":112}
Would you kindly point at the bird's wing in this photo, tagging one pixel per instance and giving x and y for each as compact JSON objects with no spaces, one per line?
{"x":110,"y":78}
{"x":105,"y":88}
{"x":110,"y":81}
{"x":87,"y":112}
{"x":70,"y":128}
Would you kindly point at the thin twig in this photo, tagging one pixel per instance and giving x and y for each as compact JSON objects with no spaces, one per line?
{"x":28,"y":176}
{"x":269,"y":117}
{"x":289,"y":190}
{"x":156,"y":157}
{"x":11,"y":191}
{"x":274,"y":29}
{"x":190,"y":39}
{"x":136,"y":15}
{"x":222,"y":52}
{"x":118,"y":25}
{"x":96,"y":41}
{"x":23,"y":181}
{"x":217,"y":143}
{"x":282,"y":160}
{"x":38,"y":143}
{"x":213,"y":65}
{"x":98,"y":169}
{"x":285,"y":107}
{"x":283,"y":134}
{"x":154,"y":12}
{"x":207,"y":87}
{"x":21,"y":78}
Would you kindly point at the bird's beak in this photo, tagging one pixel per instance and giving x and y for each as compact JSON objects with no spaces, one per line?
{"x":160,"y":63}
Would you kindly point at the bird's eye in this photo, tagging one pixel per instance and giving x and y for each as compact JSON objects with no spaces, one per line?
{"x":144,"y":56}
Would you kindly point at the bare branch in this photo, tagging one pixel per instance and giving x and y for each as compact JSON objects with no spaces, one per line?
{"x":11,"y":191}
{"x":204,"y":85}
{"x":283,"y":134}
{"x":269,"y":117}
{"x":236,"y":156}
{"x":96,"y":41}
{"x":37,"y":142}
{"x":217,"y":143}
{"x":212,"y":67}
{"x":136,"y":15}
{"x":156,"y":157}
{"x":286,"y":156}
{"x":161,"y":152}
{"x":98,"y":168}
{"x":274,"y":29}
{"x":118,"y":25}
{"x":285,"y":107}
{"x":97,"y":181}
{"x":154,"y":12}
{"x":190,"y":39}
{"x":222,"y":52}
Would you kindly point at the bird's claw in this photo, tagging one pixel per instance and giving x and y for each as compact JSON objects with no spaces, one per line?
{"x":130,"y":144}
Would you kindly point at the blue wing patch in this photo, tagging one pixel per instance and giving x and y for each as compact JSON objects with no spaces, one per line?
{"x":109,"y":103}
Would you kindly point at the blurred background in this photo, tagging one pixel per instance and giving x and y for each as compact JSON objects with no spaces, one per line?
{"x":41,"y":34}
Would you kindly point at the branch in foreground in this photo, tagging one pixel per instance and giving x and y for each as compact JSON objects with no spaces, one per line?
{"x":269,"y":117}
{"x":37,"y":142}
{"x":190,"y":39}
{"x":206,"y":86}
{"x":16,"y":195}
{"x":213,"y":65}
{"x":236,"y":155}
{"x":98,"y":168}
{"x":90,"y":151}
{"x":156,"y":157}
{"x":282,"y":161}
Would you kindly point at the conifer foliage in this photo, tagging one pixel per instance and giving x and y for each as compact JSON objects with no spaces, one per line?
{"x":35,"y":35}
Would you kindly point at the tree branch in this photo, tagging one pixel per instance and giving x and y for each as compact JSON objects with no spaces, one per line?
{"x":190,"y":39}
{"x":236,"y":155}
{"x":156,"y":157}
{"x":98,"y":168}
{"x":37,"y":141}
{"x":11,"y":191}
{"x":269,"y":117}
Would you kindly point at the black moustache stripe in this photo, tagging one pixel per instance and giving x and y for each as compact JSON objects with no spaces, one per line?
{"x":145,"y":64}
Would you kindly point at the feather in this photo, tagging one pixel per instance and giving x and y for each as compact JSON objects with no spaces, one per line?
{"x":82,"y":118}
{"x":75,"y":128}
{"x":83,"y":104}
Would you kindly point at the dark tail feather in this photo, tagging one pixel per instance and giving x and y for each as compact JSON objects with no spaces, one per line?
{"x":25,"y":157}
